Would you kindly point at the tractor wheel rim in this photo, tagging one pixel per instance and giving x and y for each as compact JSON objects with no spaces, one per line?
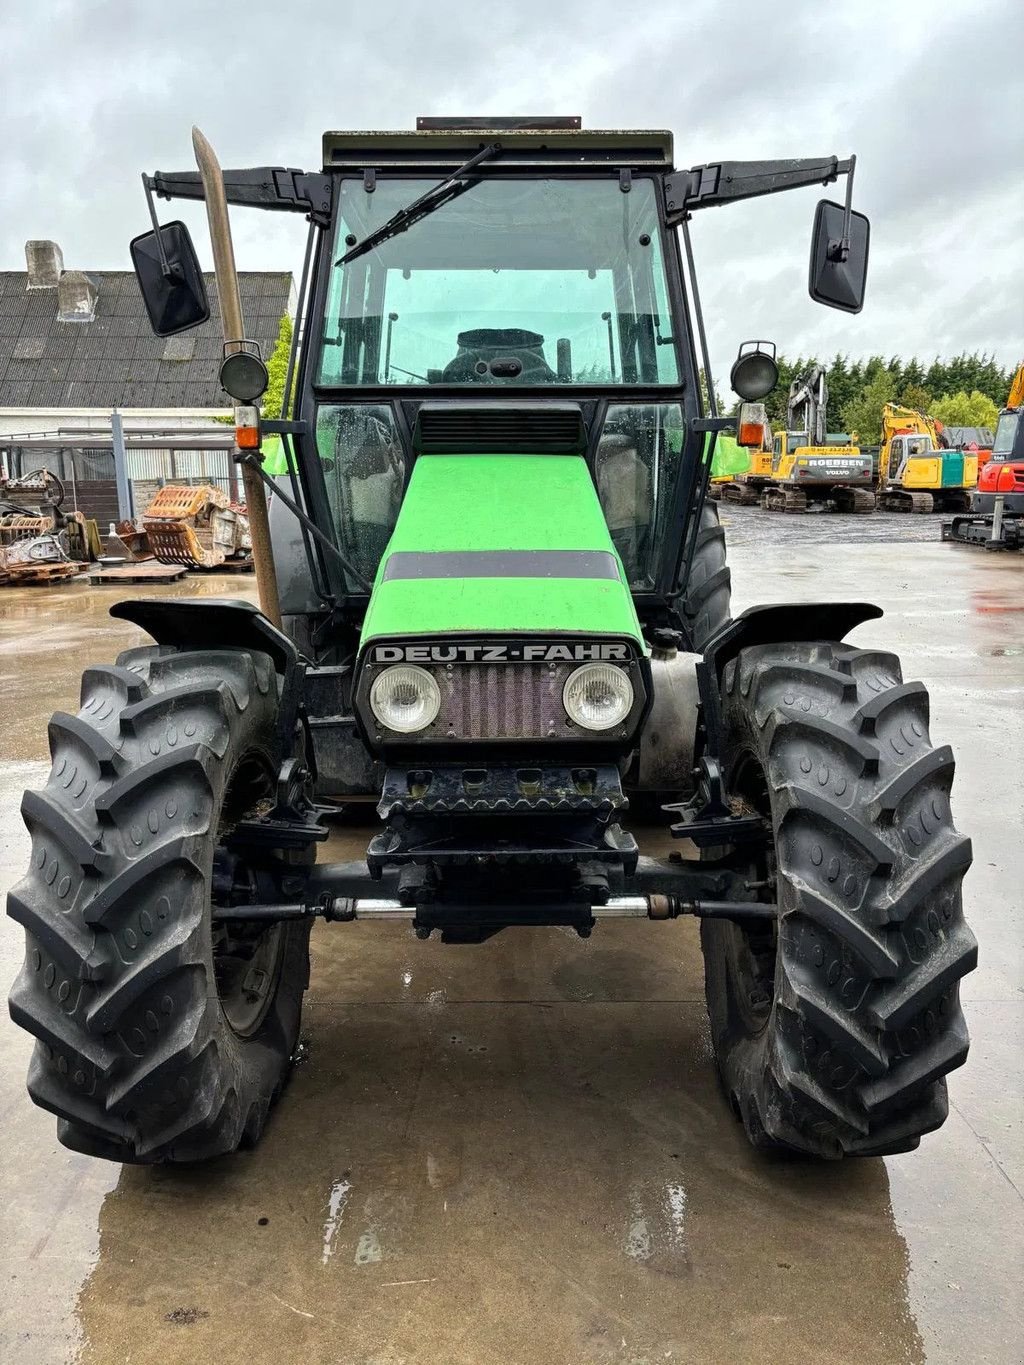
{"x":754,"y":951}
{"x":247,"y":959}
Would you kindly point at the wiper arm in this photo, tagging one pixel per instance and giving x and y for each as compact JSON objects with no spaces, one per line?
{"x":433,"y":199}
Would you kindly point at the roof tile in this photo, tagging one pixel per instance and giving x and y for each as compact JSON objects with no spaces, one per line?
{"x":116,"y":361}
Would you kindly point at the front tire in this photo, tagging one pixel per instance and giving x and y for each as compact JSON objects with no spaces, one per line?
{"x":835,"y":1026}
{"x":708,"y":589}
{"x":159,"y":1037}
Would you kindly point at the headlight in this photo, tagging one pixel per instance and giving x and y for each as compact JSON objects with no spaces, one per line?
{"x":405,"y":698}
{"x":598,"y":696}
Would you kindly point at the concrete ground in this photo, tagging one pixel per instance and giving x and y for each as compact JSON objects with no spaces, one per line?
{"x":517,"y":1153}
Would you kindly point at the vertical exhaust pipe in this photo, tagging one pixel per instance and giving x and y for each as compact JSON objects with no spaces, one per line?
{"x":234,"y":335}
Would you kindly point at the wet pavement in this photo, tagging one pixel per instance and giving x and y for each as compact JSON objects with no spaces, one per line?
{"x":751,"y":526}
{"x":516,"y":1152}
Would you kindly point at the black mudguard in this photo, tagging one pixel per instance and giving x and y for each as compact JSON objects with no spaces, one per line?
{"x":765,"y":626}
{"x":785,"y":621}
{"x":225,"y":623}
{"x":211,"y":623}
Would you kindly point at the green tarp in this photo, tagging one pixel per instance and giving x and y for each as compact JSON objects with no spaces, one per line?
{"x":729,"y":458}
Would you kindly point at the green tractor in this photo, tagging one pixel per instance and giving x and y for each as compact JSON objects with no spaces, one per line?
{"x":495,"y":602}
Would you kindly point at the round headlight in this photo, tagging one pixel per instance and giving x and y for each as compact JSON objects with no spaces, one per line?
{"x":598,"y":696}
{"x":405,"y":698}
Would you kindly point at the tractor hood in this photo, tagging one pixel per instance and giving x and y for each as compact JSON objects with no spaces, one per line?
{"x":500,"y":545}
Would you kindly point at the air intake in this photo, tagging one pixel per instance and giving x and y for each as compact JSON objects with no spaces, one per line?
{"x":458,"y":428}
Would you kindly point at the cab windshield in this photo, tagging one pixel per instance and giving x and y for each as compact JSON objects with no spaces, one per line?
{"x":552,"y":281}
{"x":1006,"y":435}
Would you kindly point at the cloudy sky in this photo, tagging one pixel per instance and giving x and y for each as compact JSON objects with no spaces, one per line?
{"x":928,"y":96}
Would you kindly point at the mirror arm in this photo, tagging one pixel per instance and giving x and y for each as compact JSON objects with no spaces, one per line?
{"x":281,"y":189}
{"x":724,"y":182}
{"x":169,"y":271}
{"x":840,"y":250}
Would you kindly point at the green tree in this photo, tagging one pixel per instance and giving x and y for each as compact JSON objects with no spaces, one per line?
{"x":972,"y":409}
{"x":721,"y":407}
{"x":277,"y":368}
{"x":863,"y":414}
{"x":914,"y":396}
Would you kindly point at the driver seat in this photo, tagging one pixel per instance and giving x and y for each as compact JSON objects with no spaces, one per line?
{"x":484,"y":344}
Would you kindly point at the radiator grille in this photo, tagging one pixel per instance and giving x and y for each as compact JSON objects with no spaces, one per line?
{"x":496,"y":429}
{"x":503,"y":701}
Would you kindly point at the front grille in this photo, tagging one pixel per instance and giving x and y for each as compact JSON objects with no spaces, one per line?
{"x":462,"y":428}
{"x":502,"y":701}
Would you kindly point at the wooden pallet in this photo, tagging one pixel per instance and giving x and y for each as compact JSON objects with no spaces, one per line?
{"x":229,"y":566}
{"x":39,"y":575}
{"x":146,"y":572}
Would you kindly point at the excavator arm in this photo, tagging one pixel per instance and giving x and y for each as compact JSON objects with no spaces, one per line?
{"x":1016,"y":398}
{"x":897,"y":419}
{"x":807,"y":407}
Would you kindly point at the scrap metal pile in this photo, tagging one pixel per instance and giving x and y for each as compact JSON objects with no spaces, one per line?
{"x":39,"y":543}
{"x":199,"y":527}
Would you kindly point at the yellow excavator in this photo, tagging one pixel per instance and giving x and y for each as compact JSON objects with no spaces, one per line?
{"x":811,"y":466}
{"x":915,"y":472}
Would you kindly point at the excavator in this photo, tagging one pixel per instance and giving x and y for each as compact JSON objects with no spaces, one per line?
{"x":915,"y":472}
{"x":996,"y":517}
{"x":811,"y":466}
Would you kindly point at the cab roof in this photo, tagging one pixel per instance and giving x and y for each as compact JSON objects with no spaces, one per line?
{"x":527,"y":142}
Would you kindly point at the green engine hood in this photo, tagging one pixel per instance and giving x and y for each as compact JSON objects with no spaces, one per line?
{"x":499,"y":545}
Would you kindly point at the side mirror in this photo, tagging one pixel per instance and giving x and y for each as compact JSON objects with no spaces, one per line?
{"x":839,"y":262}
{"x":170,"y":279}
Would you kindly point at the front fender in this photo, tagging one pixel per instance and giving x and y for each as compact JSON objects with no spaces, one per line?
{"x":209,"y":623}
{"x":784,"y":621}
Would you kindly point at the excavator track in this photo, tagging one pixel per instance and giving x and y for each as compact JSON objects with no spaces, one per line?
{"x":899,"y":500}
{"x":740,"y":494}
{"x":784,"y":500}
{"x":854,"y":500}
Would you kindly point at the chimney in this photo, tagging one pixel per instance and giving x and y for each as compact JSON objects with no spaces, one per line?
{"x":76,"y":297}
{"x":45,"y":261}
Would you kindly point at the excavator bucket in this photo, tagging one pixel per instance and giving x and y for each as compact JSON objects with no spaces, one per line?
{"x":198,"y":527}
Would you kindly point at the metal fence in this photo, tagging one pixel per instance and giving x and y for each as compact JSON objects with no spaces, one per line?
{"x":101,"y":485}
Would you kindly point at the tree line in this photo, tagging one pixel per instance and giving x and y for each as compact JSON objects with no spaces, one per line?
{"x":967,"y":390}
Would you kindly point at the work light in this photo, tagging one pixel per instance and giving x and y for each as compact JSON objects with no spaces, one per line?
{"x":598,"y":696}
{"x":405,"y":698}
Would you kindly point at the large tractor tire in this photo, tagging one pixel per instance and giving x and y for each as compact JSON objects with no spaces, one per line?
{"x":708,"y":589}
{"x":160,"y":1037}
{"x":834,"y":1026}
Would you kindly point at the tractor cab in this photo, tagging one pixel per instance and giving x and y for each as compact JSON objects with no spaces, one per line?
{"x":531,"y":313}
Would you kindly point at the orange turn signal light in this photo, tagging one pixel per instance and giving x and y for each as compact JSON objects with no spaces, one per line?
{"x":750,"y":425}
{"x":247,"y":427}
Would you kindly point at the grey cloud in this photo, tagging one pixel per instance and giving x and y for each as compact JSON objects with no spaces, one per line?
{"x":928,"y":97}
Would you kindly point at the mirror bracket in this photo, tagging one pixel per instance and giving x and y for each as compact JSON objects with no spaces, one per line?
{"x":171,"y":273}
{"x":839,"y":248}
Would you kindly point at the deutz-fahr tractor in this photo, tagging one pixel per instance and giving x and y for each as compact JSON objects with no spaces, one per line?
{"x":494,"y":602}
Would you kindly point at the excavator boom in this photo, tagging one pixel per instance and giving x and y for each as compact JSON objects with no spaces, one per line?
{"x":896,"y":419}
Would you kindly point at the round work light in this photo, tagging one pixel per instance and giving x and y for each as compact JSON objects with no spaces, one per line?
{"x":754,"y":374}
{"x":243,"y":376}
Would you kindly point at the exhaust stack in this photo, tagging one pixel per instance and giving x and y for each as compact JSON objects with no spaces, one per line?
{"x":234,"y":337}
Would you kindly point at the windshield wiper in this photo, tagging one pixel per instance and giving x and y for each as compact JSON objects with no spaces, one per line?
{"x":433,"y":199}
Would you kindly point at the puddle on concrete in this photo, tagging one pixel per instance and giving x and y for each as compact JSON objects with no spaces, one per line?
{"x":336,"y":1203}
